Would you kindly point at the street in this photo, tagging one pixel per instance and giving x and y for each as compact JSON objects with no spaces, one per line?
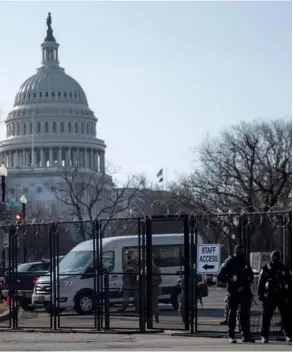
{"x":20,"y":341}
{"x":209,"y":317}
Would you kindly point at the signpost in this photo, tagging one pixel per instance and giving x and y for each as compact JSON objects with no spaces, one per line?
{"x":6,"y":240}
{"x":208,"y":258}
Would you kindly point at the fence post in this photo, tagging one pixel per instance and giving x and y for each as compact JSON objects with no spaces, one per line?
{"x":149,"y":259}
{"x":13,"y":275}
{"x":290,"y":241}
{"x":141,"y":276}
{"x":186,"y":275}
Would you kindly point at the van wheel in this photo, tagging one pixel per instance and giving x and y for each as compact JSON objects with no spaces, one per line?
{"x":84,"y":303}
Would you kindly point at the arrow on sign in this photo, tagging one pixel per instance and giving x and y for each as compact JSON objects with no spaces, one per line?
{"x":206,"y":267}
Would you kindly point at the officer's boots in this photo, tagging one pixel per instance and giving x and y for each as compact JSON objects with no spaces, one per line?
{"x":248,"y":339}
{"x":156,"y":317}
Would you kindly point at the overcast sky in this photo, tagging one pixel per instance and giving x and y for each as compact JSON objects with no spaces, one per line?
{"x":158,"y":75}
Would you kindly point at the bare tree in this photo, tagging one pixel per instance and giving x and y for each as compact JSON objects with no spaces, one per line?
{"x":249,"y":167}
{"x":93,"y":195}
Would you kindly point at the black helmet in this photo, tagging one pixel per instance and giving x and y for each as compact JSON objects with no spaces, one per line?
{"x":275,"y":256}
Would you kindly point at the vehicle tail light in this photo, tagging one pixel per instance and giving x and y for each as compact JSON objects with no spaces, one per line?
{"x":35,"y":279}
{"x":205,"y":282}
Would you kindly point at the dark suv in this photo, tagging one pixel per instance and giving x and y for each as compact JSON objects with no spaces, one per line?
{"x":27,"y":275}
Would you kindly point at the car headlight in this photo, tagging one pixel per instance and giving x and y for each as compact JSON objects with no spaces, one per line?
{"x":65,"y":283}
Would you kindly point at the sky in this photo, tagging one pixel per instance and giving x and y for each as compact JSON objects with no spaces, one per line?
{"x":159,"y":76}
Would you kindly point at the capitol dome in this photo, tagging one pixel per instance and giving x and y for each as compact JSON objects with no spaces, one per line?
{"x":50,"y":85}
{"x":51,"y":124}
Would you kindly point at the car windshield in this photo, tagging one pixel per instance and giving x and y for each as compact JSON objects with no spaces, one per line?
{"x":23,"y":267}
{"x":75,"y":261}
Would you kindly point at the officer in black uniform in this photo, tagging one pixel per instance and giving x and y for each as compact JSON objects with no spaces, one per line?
{"x":275,"y":290}
{"x":238,"y":275}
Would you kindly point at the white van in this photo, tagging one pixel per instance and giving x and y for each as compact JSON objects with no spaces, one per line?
{"x":76,"y":283}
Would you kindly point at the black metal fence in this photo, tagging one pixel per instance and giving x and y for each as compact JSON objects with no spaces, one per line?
{"x":85,"y":290}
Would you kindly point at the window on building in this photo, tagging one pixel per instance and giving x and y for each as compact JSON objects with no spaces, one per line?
{"x":47,"y":94}
{"x":24,"y":128}
{"x":87,"y":128}
{"x":82,"y":127}
{"x":54,"y":127}
{"x":69,"y":127}
{"x":46,"y":127}
{"x":31,"y":128}
{"x":39,"y":189}
{"x":39,"y":127}
{"x":53,"y":94}
{"x":25,"y":190}
{"x":18,"y":129}
{"x":76,"y":127}
{"x":62,"y":127}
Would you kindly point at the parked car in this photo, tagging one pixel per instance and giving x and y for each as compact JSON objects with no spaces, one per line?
{"x":27,"y":276}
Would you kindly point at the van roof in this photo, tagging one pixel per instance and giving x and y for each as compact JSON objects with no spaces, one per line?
{"x":132,"y":240}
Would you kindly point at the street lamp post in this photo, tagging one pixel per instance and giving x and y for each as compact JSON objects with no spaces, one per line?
{"x":23,"y":202}
{"x":3,"y":174}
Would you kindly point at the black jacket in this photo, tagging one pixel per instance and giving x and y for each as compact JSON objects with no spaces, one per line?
{"x":275,"y":281}
{"x":237,"y":274}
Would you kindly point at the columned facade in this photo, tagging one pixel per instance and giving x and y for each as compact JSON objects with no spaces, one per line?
{"x":44,"y":157}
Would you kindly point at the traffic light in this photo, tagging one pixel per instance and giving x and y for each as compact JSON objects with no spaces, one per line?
{"x":18,"y":219}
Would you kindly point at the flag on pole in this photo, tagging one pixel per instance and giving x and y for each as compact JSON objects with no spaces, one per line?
{"x":160,"y":175}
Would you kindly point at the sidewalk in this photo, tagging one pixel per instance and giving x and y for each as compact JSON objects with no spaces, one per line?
{"x":20,"y":341}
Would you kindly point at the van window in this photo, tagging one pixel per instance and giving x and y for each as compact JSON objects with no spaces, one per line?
{"x":108,"y":260}
{"x":75,"y":261}
{"x":165,"y":255}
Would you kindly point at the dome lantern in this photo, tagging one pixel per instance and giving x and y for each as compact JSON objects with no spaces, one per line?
{"x":50,"y":47}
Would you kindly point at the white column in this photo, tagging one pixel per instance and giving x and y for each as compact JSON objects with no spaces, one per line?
{"x":20,"y":158}
{"x":91,"y":159}
{"x":35,"y":158}
{"x":60,"y":155}
{"x":10,"y":163}
{"x":102,"y":162}
{"x":51,"y":157}
{"x":42,"y":162}
{"x":86,"y":159}
{"x":78,"y":161}
{"x":15,"y":158}
{"x":68,"y":158}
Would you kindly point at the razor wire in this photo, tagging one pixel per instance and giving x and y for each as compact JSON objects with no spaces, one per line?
{"x":235,"y":217}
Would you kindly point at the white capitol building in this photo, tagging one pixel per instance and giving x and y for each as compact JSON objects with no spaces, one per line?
{"x":49,"y":128}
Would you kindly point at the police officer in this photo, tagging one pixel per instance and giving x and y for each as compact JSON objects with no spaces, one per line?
{"x":275,"y":290}
{"x":238,"y":275}
{"x":130,"y":284}
{"x":156,"y":290}
{"x":181,"y":297}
